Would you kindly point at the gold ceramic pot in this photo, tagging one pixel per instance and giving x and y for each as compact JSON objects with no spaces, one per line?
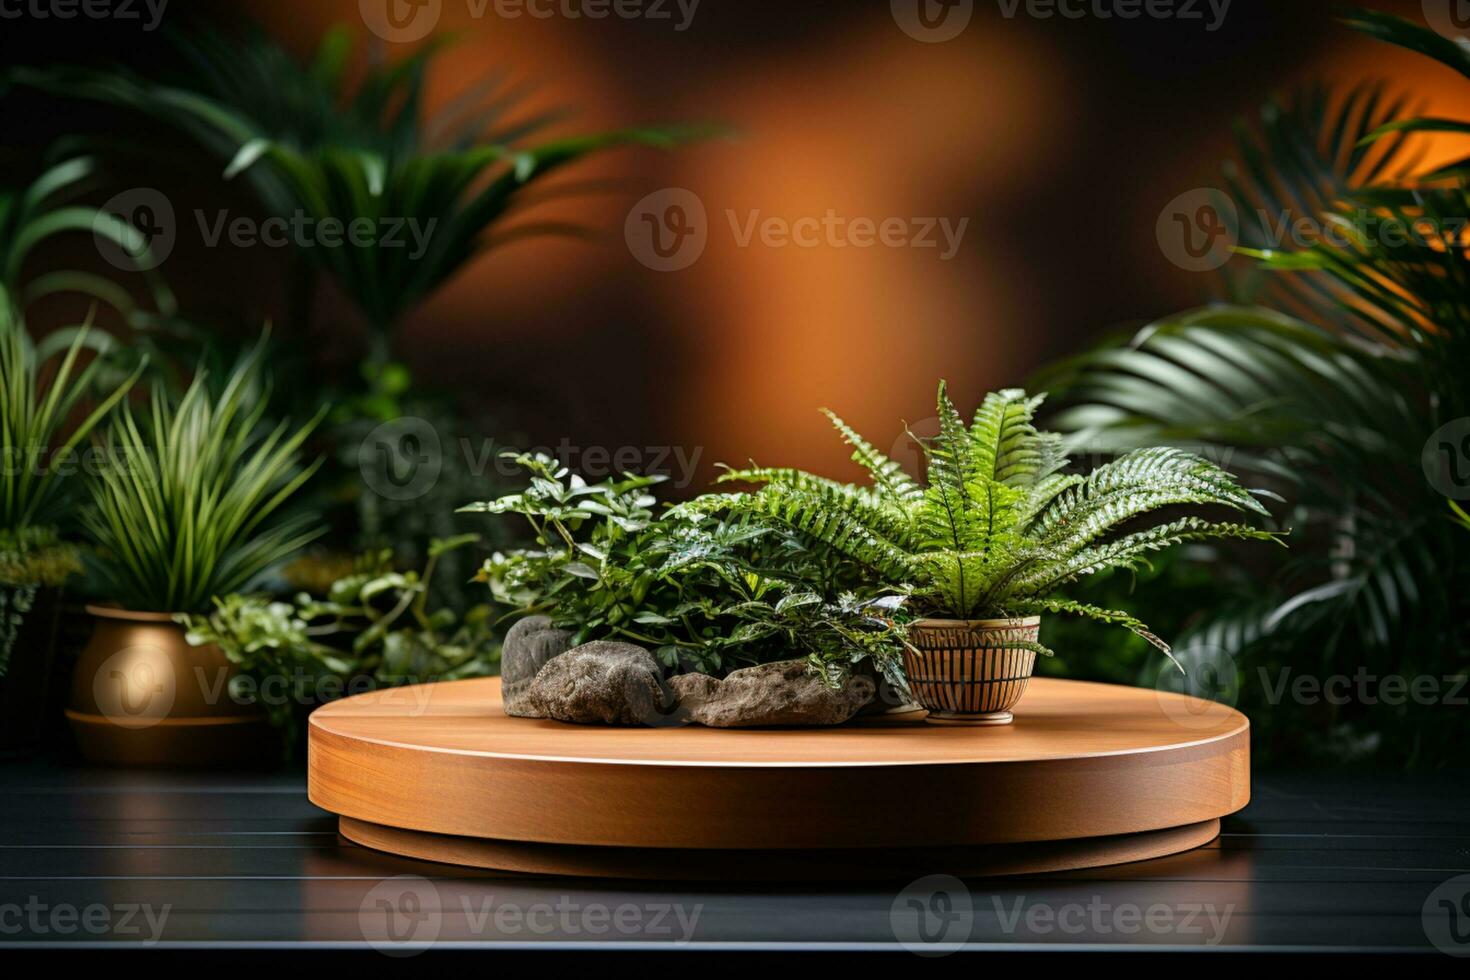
{"x":142,"y":696}
{"x":965,"y":671}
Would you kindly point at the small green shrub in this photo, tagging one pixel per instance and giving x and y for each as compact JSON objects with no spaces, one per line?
{"x":999,"y":528}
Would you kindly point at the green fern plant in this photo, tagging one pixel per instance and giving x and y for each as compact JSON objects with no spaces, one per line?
{"x":185,"y":506}
{"x":1000,"y":527}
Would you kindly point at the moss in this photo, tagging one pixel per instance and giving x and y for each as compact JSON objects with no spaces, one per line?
{"x":32,"y":556}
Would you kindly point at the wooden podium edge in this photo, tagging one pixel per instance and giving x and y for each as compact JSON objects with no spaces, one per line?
{"x":845,"y":864}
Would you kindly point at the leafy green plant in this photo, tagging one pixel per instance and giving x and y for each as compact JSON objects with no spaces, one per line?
{"x":331,"y":141}
{"x":48,"y":207}
{"x":186,"y":504}
{"x":36,"y":407}
{"x":314,"y":142}
{"x":1336,"y":361}
{"x":374,"y":623}
{"x":1461,"y":518}
{"x":705,"y":594}
{"x":30,"y":559}
{"x":999,"y":528}
{"x":39,"y":437}
{"x":36,"y":556}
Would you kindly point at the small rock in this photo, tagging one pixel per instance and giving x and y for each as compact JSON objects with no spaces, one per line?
{"x":783,"y":693}
{"x":599,"y":683}
{"x":529,"y":644}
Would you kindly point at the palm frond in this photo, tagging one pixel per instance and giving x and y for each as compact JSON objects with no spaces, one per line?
{"x":1331,"y":395}
{"x":47,"y":208}
{"x":364,"y":153}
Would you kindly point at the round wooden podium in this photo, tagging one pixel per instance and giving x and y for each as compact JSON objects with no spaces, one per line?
{"x":1089,"y":774}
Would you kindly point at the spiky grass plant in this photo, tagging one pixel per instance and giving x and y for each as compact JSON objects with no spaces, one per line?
{"x":36,"y":406}
{"x":188,"y":505}
{"x":999,"y":528}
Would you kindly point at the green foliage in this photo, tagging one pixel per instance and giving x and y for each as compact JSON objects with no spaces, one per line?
{"x":374,"y":624}
{"x":187,"y":502}
{"x":30,"y":559}
{"x":35,"y":408}
{"x":319,"y":139}
{"x":36,"y":556}
{"x":465,"y":454}
{"x":1328,"y":388}
{"x":999,"y":528}
{"x":46,"y":208}
{"x":707,"y":594}
{"x":1461,"y":518}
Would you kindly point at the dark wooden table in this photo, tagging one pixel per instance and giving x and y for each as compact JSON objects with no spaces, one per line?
{"x":1323,"y":863}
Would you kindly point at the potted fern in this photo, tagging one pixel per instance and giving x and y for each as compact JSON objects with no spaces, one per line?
{"x":983,"y":549}
{"x":186,"y":507}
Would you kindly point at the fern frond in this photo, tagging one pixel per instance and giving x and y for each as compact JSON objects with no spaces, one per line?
{"x":1134,"y":484}
{"x":1043,"y":494}
{"x":844,"y":527}
{"x":952,"y":471}
{"x":1114,"y":617}
{"x":887,"y":475}
{"x":1129,"y":550}
{"x":1006,"y":444}
{"x":864,"y":505}
{"x":961,"y":581}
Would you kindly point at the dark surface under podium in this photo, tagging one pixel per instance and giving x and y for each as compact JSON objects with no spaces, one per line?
{"x":100,"y":859}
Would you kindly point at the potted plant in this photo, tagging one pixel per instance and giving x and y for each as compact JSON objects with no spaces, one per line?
{"x":40,"y":437}
{"x":983,"y":549}
{"x":373,"y":626}
{"x":705,"y":593}
{"x":186,"y":506}
{"x":348,"y":138}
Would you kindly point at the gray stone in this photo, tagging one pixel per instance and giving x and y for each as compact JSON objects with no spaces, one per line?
{"x":529,"y":644}
{"x":783,"y":693}
{"x":599,"y":683}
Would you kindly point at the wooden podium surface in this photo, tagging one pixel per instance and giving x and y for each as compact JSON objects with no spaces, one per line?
{"x":1088,"y":774}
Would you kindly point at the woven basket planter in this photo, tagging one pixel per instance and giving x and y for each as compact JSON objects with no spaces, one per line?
{"x":964,"y":671}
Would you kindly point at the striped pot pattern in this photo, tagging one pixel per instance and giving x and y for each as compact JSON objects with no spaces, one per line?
{"x":963,"y":671}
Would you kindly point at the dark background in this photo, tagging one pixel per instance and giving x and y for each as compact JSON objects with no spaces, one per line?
{"x":1061,"y":141}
